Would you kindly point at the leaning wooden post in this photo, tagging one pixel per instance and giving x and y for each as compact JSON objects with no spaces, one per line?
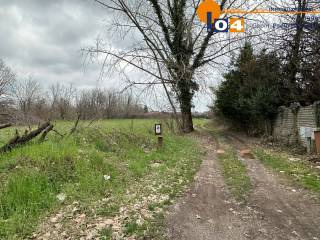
{"x":160,"y":141}
{"x":158,"y":132}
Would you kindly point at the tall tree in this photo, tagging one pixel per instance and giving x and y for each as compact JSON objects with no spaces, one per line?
{"x":169,"y":43}
{"x":27,"y":93}
{"x":295,"y":43}
{"x":249,"y":96}
{"x":311,"y":68}
{"x":61,"y":99}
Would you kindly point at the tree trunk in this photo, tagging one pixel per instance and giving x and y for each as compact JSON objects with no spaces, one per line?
{"x":187,"y":123}
{"x":186,"y":115}
{"x":295,"y":59}
{"x":185,"y":99}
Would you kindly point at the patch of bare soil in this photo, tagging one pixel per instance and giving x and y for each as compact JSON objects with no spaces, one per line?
{"x":274,"y":209}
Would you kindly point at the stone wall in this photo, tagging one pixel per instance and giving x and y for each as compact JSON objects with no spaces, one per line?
{"x":295,"y":125}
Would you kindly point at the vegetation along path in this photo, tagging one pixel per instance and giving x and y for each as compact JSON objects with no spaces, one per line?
{"x":235,"y":196}
{"x":110,"y":180}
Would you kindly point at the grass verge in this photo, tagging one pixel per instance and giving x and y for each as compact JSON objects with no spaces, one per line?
{"x":299,"y":171}
{"x":235,"y":174}
{"x":113,"y":170}
{"x":233,"y":169}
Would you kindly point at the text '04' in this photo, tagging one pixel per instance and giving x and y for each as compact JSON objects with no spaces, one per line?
{"x":234,"y":25}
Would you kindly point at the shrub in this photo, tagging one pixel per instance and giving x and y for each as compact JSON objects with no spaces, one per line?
{"x":249,"y":96}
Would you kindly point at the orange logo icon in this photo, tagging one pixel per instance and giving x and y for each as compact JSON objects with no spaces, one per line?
{"x":209,"y":12}
{"x":208,"y":6}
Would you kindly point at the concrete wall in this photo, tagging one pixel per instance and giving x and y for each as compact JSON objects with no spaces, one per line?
{"x":295,"y":125}
{"x":283,"y":125}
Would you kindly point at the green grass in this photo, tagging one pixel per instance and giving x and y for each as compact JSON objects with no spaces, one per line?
{"x":299,"y":171}
{"x":33,"y":175}
{"x":235,"y":174}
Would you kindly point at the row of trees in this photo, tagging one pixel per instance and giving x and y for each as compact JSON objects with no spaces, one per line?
{"x":28,"y":101}
{"x":258,"y":84}
{"x":172,"y":46}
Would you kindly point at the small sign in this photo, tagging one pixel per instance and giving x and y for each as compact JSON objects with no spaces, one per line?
{"x":157,"y":129}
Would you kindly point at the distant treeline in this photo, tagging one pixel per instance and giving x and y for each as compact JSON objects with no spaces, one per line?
{"x":22,"y":101}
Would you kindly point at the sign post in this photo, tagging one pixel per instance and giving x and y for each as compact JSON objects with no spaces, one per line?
{"x":158,"y":132}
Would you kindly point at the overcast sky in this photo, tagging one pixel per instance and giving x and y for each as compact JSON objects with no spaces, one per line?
{"x":44,"y":38}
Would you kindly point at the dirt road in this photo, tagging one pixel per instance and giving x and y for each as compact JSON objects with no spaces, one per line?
{"x":274,"y":210}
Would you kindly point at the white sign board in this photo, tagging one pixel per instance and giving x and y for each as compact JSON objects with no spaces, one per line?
{"x":157,"y":129}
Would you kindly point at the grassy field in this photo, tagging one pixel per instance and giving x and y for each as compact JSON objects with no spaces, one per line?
{"x":112,"y":170}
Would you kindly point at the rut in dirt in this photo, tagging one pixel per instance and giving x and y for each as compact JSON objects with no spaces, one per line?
{"x":274,"y":210}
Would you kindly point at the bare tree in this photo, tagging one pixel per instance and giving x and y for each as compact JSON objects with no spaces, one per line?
{"x":295,"y":45}
{"x":172,"y":47}
{"x":62,"y":98}
{"x":7,"y":78}
{"x":311,"y":68}
{"x":31,"y":104}
{"x":101,"y":103}
{"x":27,"y":93}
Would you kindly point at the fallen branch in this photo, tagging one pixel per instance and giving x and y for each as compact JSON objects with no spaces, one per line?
{"x":60,"y":134}
{"x":18,"y":140}
{"x":45,"y":132}
{"x":75,"y":125}
{"x":5,"y":125}
{"x":92,"y":121}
